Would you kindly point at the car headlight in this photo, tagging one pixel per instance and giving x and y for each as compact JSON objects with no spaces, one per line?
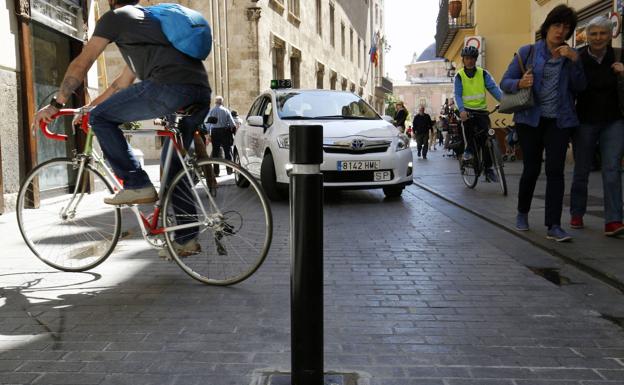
{"x":283,"y":141}
{"x":402,"y":142}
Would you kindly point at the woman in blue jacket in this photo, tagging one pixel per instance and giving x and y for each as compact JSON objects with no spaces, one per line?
{"x":556,"y":76}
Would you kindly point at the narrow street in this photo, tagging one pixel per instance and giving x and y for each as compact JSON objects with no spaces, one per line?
{"x":417,"y":291}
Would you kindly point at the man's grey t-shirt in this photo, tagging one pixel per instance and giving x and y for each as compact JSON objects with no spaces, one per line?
{"x":146,"y":50}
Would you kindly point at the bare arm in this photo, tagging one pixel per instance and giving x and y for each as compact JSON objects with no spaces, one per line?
{"x":79,"y":67}
{"x":74,"y":76}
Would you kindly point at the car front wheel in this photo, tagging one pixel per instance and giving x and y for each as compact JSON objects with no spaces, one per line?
{"x":393,"y":191}
{"x":269,"y":180}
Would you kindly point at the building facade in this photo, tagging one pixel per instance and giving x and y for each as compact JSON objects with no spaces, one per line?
{"x":38,"y":39}
{"x":316,"y":43}
{"x":426,"y":83}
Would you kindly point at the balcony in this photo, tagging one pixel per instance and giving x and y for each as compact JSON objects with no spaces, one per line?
{"x":383,"y":86}
{"x":448,"y":27}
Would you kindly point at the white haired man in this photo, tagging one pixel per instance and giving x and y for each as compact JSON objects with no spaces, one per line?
{"x":221,"y":131}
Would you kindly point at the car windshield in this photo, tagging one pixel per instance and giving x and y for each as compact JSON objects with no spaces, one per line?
{"x":323,"y":105}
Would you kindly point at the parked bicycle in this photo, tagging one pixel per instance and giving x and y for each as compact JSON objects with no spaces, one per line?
{"x":472,"y":169}
{"x":64,"y":221}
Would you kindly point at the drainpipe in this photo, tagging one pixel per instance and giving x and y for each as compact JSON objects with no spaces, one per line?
{"x":253,"y":15}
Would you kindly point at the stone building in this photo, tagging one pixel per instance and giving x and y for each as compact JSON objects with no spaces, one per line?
{"x":317,"y":43}
{"x":426,"y":83}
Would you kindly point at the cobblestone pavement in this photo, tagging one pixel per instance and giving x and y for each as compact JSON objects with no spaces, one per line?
{"x":591,"y":250}
{"x":417,"y":291}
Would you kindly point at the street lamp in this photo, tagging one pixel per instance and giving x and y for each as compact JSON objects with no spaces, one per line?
{"x":450,"y":68}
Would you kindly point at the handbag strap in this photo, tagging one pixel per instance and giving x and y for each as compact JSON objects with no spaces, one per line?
{"x":517,"y":55}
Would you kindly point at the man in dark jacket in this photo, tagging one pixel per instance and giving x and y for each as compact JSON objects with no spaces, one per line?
{"x":422,"y":125}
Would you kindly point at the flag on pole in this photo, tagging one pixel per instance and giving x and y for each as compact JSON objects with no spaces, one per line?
{"x":374,"y":56}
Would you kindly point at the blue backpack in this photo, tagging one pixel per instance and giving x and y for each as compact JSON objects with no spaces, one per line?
{"x":186,"y":29}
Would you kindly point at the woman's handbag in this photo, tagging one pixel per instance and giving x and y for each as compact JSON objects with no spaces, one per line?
{"x":521,"y":99}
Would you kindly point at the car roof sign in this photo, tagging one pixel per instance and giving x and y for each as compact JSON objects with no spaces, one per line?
{"x":280,"y":83}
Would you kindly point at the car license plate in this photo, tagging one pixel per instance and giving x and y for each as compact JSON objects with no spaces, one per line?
{"x":380,"y":176}
{"x":358,"y":165}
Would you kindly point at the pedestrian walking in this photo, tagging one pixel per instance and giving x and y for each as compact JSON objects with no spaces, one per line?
{"x":221,"y":132}
{"x":440,"y":128}
{"x":555,"y":77}
{"x":422,"y":125}
{"x":400,"y":116}
{"x":601,"y":121}
{"x":432,"y":135}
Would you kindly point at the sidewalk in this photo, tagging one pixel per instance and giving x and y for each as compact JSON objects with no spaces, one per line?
{"x":590,"y":250}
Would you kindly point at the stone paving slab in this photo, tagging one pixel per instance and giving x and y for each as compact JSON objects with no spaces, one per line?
{"x":590,"y":249}
{"x":416,"y":292}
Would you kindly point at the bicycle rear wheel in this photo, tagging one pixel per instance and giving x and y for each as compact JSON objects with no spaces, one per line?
{"x":498,"y":164}
{"x":227,"y":231}
{"x":70,"y":228}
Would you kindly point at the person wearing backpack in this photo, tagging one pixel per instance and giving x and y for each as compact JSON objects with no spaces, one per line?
{"x":169,"y":80}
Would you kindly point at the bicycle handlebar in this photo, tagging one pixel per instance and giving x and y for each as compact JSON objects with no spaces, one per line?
{"x":84,"y":124}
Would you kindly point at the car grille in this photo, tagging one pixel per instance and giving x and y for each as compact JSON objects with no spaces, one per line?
{"x":356,"y":146}
{"x":351,"y":176}
{"x":369,"y":150}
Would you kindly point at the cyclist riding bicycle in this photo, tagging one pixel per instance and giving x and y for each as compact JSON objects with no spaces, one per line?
{"x":470,"y":84}
{"x":169,"y":80}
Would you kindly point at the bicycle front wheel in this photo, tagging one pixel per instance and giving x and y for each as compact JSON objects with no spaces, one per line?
{"x":498,"y":164}
{"x":62,"y":216}
{"x":218,"y":233}
{"x":469,"y":171}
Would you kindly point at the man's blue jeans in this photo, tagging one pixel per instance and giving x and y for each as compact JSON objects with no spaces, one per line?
{"x":611,"y":136}
{"x":612,"y":152}
{"x":142,"y":101}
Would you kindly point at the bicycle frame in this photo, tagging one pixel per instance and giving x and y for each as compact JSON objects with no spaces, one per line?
{"x":148,"y":227}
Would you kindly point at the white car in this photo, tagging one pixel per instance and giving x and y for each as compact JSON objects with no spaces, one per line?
{"x":361,"y":150}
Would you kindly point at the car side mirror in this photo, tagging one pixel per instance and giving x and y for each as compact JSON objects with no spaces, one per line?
{"x":255,"y":121}
{"x":212,"y":120}
{"x":387,"y":118}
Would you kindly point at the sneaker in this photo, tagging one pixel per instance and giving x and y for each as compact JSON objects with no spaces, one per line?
{"x":418,"y":154}
{"x":133,"y":196}
{"x":613,"y":229}
{"x":424,"y":156}
{"x":558,"y":234}
{"x":467,"y":155}
{"x":183,"y":250}
{"x":576,"y":222}
{"x":522,"y":222}
{"x":490,"y":175}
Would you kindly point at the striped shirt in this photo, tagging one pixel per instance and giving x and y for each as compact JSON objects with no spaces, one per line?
{"x":549,"y":94}
{"x":224,"y":118}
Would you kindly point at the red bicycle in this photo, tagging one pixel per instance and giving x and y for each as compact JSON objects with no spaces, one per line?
{"x":64,"y":221}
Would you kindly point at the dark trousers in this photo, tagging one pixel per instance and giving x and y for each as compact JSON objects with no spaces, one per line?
{"x":533,"y":141}
{"x":478,"y":122}
{"x":422,"y":143}
{"x":221,"y":138}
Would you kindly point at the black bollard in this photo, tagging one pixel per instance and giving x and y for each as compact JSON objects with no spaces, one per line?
{"x":306,"y":237}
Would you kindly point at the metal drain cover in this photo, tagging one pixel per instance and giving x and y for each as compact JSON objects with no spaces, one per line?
{"x":333,"y":378}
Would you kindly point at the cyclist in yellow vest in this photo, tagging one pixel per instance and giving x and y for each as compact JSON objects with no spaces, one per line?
{"x":470,"y":83}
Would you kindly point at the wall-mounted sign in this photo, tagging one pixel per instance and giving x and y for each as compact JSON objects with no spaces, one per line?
{"x":62,"y":15}
{"x":477,"y":42}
